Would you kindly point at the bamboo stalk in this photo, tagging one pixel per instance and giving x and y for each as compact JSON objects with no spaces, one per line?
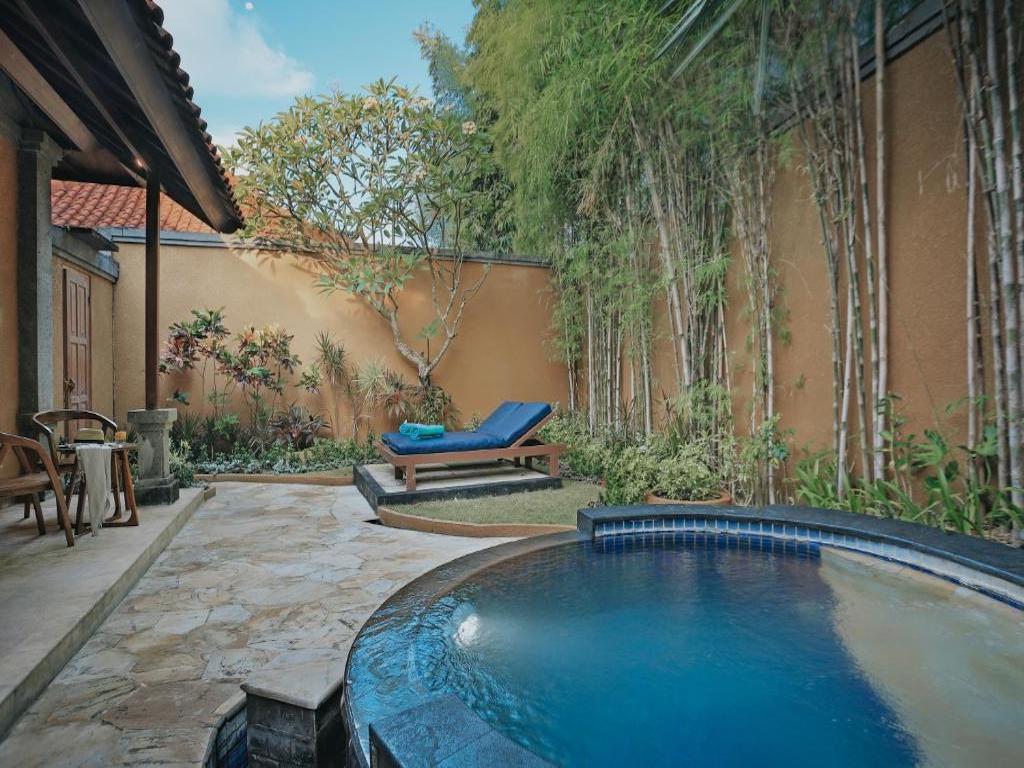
{"x":1017,"y":154}
{"x":878,"y":411}
{"x":972,"y":318}
{"x":591,"y":372}
{"x":847,"y":185}
{"x":881,"y":393}
{"x":844,"y":409}
{"x":1007,"y":279}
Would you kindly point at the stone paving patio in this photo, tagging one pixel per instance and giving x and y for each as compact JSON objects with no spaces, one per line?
{"x":263,"y":577}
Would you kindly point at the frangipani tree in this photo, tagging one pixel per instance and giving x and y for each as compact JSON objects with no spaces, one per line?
{"x":377,"y":186}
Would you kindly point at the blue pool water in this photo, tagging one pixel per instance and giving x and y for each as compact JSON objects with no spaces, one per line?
{"x":660,"y":651}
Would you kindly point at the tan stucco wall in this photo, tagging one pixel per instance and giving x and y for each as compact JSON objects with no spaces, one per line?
{"x":8,"y":290}
{"x":499,"y":354}
{"x":101,"y":318}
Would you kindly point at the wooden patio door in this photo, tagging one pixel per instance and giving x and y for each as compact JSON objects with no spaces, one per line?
{"x":77,"y":345}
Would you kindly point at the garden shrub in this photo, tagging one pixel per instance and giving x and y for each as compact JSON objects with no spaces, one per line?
{"x":280,"y":458}
{"x":629,"y":475}
{"x":632,"y":467}
{"x":181,"y":465}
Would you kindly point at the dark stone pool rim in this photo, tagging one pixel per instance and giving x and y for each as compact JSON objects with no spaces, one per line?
{"x":969,"y":556}
{"x":975,"y":554}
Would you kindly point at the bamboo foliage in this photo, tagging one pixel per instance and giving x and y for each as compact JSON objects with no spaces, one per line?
{"x":750,"y":178}
{"x":982,"y":36}
{"x":641,"y":186}
{"x":821,"y":55}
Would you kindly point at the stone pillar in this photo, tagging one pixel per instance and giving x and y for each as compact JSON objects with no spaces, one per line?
{"x":37,"y":154}
{"x":155,"y":485}
{"x":293,"y":717}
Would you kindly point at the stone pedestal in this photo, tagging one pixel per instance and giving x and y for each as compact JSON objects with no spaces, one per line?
{"x":155,"y":484}
{"x":294,"y":716}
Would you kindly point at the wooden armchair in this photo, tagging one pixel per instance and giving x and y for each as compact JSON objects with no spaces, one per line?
{"x":37,"y":475}
{"x":58,"y":426}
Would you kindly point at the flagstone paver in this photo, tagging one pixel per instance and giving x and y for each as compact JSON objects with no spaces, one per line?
{"x":263,"y":577}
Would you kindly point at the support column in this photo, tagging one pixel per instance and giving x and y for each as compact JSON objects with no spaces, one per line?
{"x":37,"y":154}
{"x":155,"y":484}
{"x":152,"y":291}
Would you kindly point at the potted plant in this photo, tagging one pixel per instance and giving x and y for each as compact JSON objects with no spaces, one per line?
{"x":640,"y":474}
{"x":685,"y":478}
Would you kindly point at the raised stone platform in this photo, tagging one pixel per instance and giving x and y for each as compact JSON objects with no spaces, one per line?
{"x":435,"y":482}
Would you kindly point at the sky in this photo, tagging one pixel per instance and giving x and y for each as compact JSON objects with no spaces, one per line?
{"x":249,"y":59}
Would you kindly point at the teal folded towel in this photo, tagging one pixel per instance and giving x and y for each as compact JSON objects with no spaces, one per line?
{"x":421,"y":431}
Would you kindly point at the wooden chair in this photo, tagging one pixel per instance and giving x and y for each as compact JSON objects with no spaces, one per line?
{"x":59,"y":426}
{"x":37,"y":475}
{"x":49,"y":424}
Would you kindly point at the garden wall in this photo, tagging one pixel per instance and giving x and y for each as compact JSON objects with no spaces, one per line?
{"x":927,"y":229}
{"x":499,"y":354}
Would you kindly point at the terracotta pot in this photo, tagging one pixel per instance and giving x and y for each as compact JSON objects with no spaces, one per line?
{"x":720,"y":500}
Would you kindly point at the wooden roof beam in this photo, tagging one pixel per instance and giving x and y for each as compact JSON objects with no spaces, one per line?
{"x":27,"y":77}
{"x":115,"y":25}
{"x":56,"y":47}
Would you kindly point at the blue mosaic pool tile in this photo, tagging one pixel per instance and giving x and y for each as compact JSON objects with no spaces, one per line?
{"x":791,"y":538}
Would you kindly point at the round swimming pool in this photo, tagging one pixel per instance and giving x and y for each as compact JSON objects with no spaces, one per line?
{"x":707,"y":649}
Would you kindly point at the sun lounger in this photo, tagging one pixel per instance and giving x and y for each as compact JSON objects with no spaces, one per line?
{"x":508,"y":433}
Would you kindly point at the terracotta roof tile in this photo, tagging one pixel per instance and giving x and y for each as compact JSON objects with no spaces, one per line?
{"x":83,"y":204}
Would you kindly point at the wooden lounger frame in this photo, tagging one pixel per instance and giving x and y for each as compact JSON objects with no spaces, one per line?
{"x":526,"y":448}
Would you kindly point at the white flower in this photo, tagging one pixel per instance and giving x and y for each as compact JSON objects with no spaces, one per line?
{"x":468,"y":128}
{"x":370,"y":102}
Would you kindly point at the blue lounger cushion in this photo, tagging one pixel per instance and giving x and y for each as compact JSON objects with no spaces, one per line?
{"x":509,"y":422}
{"x":448,"y":443}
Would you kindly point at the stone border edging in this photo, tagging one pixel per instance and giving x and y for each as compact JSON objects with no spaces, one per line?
{"x":311,"y":478}
{"x":395,"y":519}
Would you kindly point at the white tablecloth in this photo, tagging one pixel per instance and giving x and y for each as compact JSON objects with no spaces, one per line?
{"x":94,"y":464}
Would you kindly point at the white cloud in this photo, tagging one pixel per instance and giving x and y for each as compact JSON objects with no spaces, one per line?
{"x":225,"y":52}
{"x":223,"y":135}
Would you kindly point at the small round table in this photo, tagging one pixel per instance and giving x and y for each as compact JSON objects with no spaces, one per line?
{"x":119,"y":468}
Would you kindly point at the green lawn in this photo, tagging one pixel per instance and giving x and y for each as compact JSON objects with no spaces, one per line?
{"x":553,"y":506}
